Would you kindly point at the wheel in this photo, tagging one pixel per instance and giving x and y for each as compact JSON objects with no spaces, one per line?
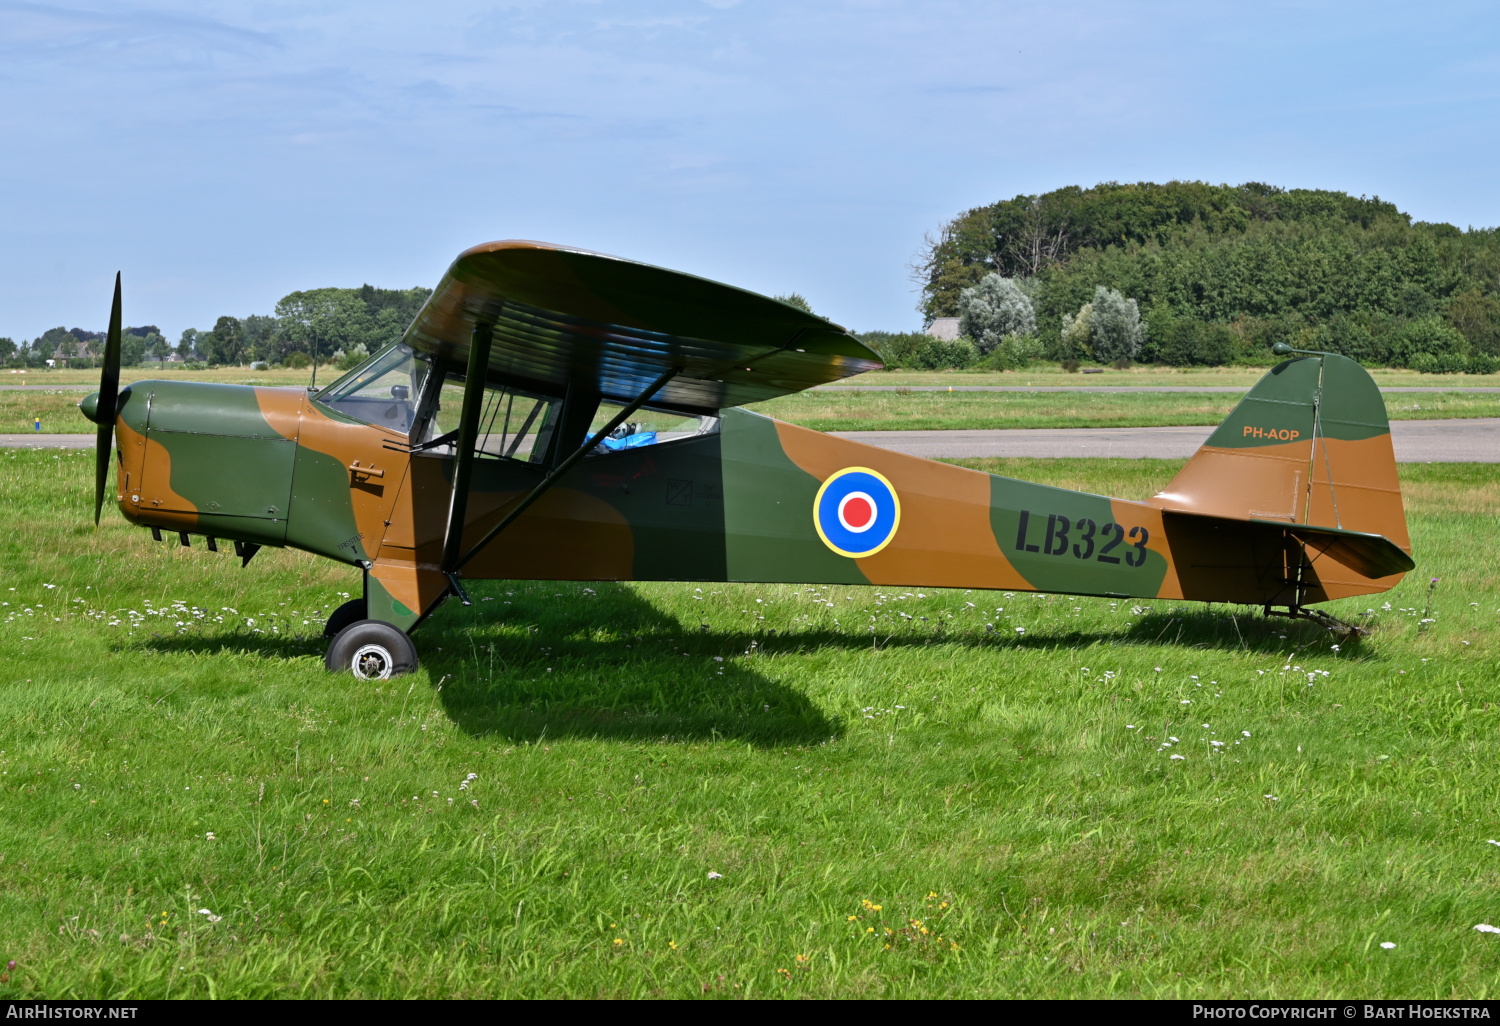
{"x":344,"y":615}
{"x":371,"y":650}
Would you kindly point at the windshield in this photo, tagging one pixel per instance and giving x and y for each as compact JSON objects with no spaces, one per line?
{"x":382,"y":391}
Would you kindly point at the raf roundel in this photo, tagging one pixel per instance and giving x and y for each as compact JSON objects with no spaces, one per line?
{"x":856,"y":512}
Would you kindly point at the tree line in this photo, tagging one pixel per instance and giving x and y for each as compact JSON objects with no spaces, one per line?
{"x":1214,"y":274}
{"x":333,"y":325}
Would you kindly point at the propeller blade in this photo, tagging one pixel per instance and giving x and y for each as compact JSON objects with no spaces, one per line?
{"x":101,"y":467}
{"x":109,"y":394}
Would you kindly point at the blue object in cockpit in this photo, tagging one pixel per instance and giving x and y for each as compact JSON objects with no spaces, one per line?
{"x":634,"y":441}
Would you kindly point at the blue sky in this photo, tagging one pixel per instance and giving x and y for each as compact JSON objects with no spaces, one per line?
{"x":223,"y":154}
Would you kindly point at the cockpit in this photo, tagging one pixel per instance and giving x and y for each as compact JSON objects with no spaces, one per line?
{"x":398,"y":390}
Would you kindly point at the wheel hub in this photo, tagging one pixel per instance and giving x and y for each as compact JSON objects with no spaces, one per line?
{"x":372,"y":662}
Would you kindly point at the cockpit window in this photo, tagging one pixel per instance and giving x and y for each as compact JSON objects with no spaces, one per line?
{"x":513,"y":425}
{"x":647,"y":427}
{"x":382,"y":391}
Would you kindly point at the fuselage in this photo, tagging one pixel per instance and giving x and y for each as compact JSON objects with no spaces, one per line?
{"x":747,"y":498}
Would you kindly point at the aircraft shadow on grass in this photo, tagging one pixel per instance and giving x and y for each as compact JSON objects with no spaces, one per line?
{"x":622,"y":670}
{"x":627,"y":671}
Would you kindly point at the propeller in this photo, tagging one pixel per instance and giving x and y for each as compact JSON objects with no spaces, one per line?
{"x":104,"y":403}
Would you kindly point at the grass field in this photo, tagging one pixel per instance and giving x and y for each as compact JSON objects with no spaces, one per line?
{"x":1204,"y":377}
{"x":895,"y":411}
{"x":731,"y":791}
{"x":1041,"y":374}
{"x":65,"y":378}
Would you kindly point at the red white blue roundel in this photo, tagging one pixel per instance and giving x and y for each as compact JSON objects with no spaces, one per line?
{"x":856,"y":512}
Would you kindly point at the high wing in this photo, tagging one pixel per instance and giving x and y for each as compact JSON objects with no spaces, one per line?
{"x":564,"y":317}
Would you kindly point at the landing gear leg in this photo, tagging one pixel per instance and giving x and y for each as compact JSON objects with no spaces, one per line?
{"x":349,"y":612}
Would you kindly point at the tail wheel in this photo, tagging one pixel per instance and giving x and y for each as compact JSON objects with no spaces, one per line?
{"x":350,"y":612}
{"x":371,"y":650}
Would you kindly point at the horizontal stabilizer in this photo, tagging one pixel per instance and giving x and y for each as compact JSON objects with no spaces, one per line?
{"x":1373,"y":555}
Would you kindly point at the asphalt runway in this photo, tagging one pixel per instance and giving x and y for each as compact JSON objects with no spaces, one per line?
{"x":1415,"y":441}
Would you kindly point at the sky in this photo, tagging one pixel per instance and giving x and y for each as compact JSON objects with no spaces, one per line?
{"x":223,"y":154}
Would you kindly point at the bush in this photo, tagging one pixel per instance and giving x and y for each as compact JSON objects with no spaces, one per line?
{"x":917,"y":351}
{"x":1186,"y":342}
{"x":352,"y":359}
{"x":297,"y":361}
{"x":896,"y":348}
{"x":994,"y":309}
{"x":1073,"y":343}
{"x":946,"y":354}
{"x":194,"y":365}
{"x":1115,"y":327}
{"x":1483,"y":363}
{"x":1430,"y":337}
{"x":1013,"y":352}
{"x":1071,"y":366}
{"x":1476,"y":316}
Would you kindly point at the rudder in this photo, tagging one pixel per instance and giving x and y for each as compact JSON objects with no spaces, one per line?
{"x":1310,"y":444}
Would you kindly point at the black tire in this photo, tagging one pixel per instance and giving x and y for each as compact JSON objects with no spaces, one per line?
{"x":371,"y":650}
{"x":350,"y":612}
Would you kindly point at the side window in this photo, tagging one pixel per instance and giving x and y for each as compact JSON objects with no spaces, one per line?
{"x":647,"y":427}
{"x":512,"y":425}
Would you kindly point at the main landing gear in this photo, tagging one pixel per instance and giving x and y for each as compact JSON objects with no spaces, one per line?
{"x":371,"y":650}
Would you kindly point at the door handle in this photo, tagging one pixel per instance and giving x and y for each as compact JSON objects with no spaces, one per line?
{"x":358,"y":471}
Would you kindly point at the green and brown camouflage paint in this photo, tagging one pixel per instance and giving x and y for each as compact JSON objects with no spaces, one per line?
{"x":1309,"y":445}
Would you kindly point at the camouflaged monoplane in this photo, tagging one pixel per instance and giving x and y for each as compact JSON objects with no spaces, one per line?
{"x":495,"y":440}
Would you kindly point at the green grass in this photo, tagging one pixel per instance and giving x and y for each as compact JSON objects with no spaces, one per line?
{"x":859,"y":759}
{"x":1052,"y":374}
{"x":89,"y":377}
{"x":896,"y":411}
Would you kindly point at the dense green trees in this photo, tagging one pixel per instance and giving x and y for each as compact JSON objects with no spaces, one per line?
{"x":1220,"y":273}
{"x":336,"y":325}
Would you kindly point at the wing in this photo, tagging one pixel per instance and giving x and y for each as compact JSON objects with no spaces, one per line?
{"x":567,"y":315}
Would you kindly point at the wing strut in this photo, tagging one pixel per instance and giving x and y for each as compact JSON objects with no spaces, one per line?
{"x":468,"y":436}
{"x":562,"y":468}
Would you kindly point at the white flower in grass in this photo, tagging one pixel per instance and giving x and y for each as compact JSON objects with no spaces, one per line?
{"x":1388,"y":945}
{"x":209,"y":836}
{"x":1487,"y":928}
{"x":1179,"y":756}
{"x":1495,"y":843}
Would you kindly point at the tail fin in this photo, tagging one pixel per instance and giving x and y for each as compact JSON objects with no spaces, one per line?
{"x":1310,"y":445}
